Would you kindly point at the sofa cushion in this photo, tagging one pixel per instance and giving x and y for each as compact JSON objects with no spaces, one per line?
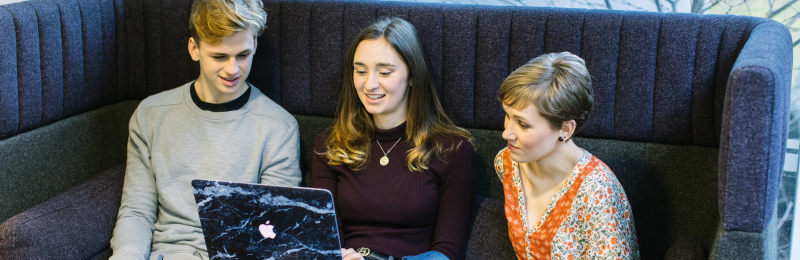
{"x":40,"y":164}
{"x":488,"y":236}
{"x":310,"y":128}
{"x":76,"y":224}
{"x":686,"y":248}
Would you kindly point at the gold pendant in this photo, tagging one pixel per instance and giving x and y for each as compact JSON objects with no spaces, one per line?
{"x":384,"y":160}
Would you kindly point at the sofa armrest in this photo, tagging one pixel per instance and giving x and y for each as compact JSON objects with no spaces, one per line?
{"x":746,"y":245}
{"x":76,"y":224}
{"x":754,"y":129}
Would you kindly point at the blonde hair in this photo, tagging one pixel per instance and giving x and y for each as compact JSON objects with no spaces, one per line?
{"x":558,"y":84}
{"x":213,"y":20}
{"x":427,"y":126}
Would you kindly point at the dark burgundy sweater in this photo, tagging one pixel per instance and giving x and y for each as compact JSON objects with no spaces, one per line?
{"x":392,"y":210}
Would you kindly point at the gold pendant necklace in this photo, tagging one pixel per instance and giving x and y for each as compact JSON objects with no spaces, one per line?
{"x":385,"y":160}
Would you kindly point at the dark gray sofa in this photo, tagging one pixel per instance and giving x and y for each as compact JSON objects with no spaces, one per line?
{"x":691,"y":110}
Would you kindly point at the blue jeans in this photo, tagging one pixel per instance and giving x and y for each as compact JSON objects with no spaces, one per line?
{"x":430,"y":255}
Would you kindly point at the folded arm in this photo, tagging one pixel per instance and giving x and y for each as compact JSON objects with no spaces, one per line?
{"x":133,"y":232}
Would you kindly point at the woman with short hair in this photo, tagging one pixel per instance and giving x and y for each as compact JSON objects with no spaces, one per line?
{"x":561,"y":201}
{"x":401,"y":173}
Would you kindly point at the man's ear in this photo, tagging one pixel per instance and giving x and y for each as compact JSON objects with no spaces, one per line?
{"x":194,"y":49}
{"x":568,"y":129}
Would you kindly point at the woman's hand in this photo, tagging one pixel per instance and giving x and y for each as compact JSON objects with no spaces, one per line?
{"x":351,"y":254}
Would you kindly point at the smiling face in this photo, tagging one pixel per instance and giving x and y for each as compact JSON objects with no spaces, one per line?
{"x":381,"y":80}
{"x":223,"y":68}
{"x":530,"y":136}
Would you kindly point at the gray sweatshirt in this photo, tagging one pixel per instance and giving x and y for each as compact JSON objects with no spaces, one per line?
{"x":172,"y":142}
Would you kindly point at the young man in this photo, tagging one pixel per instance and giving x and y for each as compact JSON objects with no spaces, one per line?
{"x":217,"y":127}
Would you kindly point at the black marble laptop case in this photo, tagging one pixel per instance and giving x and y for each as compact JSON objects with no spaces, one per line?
{"x":252,"y":221}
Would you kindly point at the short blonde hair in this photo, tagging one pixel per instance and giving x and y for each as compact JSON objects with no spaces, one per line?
{"x":213,"y":20}
{"x":558,"y":84}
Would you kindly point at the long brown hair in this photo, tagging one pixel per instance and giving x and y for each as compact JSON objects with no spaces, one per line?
{"x":426,"y":123}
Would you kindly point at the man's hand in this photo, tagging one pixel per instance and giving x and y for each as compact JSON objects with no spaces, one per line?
{"x":351,"y":254}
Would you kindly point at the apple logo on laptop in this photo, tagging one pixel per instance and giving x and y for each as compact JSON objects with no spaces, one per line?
{"x":266,"y":230}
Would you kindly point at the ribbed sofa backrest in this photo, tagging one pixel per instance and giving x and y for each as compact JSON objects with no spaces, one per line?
{"x":57,"y":59}
{"x":657,"y":77}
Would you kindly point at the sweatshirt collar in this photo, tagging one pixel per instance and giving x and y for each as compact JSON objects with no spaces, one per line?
{"x":391,"y":134}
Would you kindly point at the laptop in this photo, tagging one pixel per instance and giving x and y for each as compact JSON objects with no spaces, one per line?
{"x":253,"y":221}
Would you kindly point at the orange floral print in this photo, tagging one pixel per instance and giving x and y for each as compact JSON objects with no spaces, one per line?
{"x":589,"y":217}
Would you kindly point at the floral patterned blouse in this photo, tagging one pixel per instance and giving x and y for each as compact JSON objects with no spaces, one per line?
{"x":589,"y":217}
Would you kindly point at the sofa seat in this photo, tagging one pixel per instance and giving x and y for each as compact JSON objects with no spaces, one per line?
{"x":76,"y":224}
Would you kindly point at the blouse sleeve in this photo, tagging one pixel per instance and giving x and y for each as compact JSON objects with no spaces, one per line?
{"x":456,"y":199}
{"x":324,"y":178}
{"x":498,"y":164}
{"x":611,"y":231}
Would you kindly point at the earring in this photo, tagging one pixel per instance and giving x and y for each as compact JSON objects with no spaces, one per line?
{"x":560,"y":138}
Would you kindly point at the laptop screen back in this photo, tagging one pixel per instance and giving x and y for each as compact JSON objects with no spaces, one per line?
{"x":253,"y":221}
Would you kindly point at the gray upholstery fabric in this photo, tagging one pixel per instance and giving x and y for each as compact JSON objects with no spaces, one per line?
{"x":76,"y":224}
{"x":528,"y":38}
{"x":44,"y":162}
{"x":428,"y":20}
{"x":467,"y":45}
{"x":111,"y":90}
{"x":173,"y":19}
{"x":102,"y":255}
{"x":753,"y":101}
{"x":294,"y":57}
{"x":459,"y":36}
{"x":268,"y":55}
{"x":705,"y":133}
{"x":487,"y":144}
{"x":492,"y":45}
{"x":29,"y":78}
{"x":52,"y":60}
{"x":310,"y":128}
{"x":9,"y":101}
{"x":325,"y":57}
{"x":121,"y":52}
{"x":601,"y":61}
{"x":134,"y":35}
{"x":488,"y":237}
{"x":564,"y":30}
{"x":153,"y":58}
{"x":746,"y":245}
{"x":671,"y":189}
{"x":672,"y":102}
{"x":72,"y":43}
{"x":686,"y":248}
{"x":638,"y":42}
{"x":92,"y":39}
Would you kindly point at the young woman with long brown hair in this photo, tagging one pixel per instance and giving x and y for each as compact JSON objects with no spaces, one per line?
{"x":401,"y":173}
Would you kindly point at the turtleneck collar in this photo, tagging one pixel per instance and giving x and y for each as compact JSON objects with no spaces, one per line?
{"x":391,"y":134}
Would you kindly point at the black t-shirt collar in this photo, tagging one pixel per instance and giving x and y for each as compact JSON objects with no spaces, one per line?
{"x":224,"y":107}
